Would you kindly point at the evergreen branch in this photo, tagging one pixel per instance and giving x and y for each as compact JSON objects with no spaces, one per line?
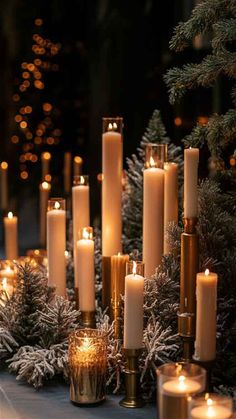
{"x":224,"y":31}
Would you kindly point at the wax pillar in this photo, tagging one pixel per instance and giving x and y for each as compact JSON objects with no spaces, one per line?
{"x":3,"y":185}
{"x":153,"y":209}
{"x":86,"y":275}
{"x":170,"y":199}
{"x":111,"y":186}
{"x":56,"y":244}
{"x":191,"y":160}
{"x":44,"y":190}
{"x":133,"y":307}
{"x":77,"y":166}
{"x":45,"y":159}
{"x":11,"y":236}
{"x":205,"y":344}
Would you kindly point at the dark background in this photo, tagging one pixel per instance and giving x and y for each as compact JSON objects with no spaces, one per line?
{"x":111,"y":61}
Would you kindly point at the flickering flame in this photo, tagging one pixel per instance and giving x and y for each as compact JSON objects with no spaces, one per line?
{"x":85,"y":234}
{"x":4,"y":165}
{"x":119,"y":254}
{"x":152,"y":162}
{"x":207,"y":272}
{"x":46,"y":155}
{"x":182,"y":379}
{"x":45,"y":185}
{"x":209,"y":402}
{"x":57,"y":205}
{"x":10,"y":215}
{"x":4,"y":284}
{"x":8,"y":269}
{"x":66,"y":254}
{"x":134,"y":268}
{"x":78,"y":159}
{"x":112,"y":127}
{"x":82,"y":181}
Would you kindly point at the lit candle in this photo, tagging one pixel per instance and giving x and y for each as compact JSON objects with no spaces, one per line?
{"x":170,"y":199}
{"x":191,"y":160}
{"x":3,"y":185}
{"x":7,"y":272}
{"x":11,"y":236}
{"x":153,"y":211}
{"x":133,"y":308}
{"x":44,"y":190}
{"x":111,"y":186}
{"x":56,"y":244}
{"x":77,"y":166}
{"x":67,"y":172}
{"x":80,"y":211}
{"x":181,"y":386}
{"x":205,"y":344}
{"x":45,"y":159}
{"x":85,"y":271}
{"x":211,"y":406}
{"x":6,"y":286}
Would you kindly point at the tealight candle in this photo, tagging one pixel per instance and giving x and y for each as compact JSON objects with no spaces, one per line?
{"x":11,"y":236}
{"x":210,"y":406}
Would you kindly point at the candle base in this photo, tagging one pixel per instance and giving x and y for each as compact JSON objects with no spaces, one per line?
{"x":88,"y":319}
{"x":106,"y":282}
{"x":132,"y":397}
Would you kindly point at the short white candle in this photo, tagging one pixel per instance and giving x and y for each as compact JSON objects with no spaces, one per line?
{"x":85,"y":261}
{"x":45,"y":159}
{"x":3,"y":185}
{"x":210,"y":410}
{"x":170,"y":199}
{"x":81,"y":213}
{"x":44,"y":190}
{"x":206,"y":291}
{"x":133,"y":310}
{"x":11,"y":236}
{"x":153,"y":217}
{"x":56,"y":246}
{"x":181,"y":386}
{"x":111,"y":192}
{"x":191,"y":160}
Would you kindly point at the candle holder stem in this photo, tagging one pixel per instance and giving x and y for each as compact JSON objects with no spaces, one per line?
{"x":188,"y":272}
{"x":88,"y":319}
{"x":132,"y":397}
{"x":106,"y":282}
{"x":116,"y":316}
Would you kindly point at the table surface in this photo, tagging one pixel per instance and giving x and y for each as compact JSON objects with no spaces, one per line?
{"x":20,"y":401}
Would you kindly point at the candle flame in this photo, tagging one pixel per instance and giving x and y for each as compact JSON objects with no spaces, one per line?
{"x":182,"y":379}
{"x":82,"y":181}
{"x":78,"y":159}
{"x":57,"y":205}
{"x":10,"y":215}
{"x":4,"y":284}
{"x":66,"y":253}
{"x":4,"y":165}
{"x":112,"y":127}
{"x":209,"y":402}
{"x":152,"y":162}
{"x":85,"y":234}
{"x":8,"y":269}
{"x":207,"y":272}
{"x":134,"y":268}
{"x":46,"y":155}
{"x":119,"y":254}
{"x":45,"y":185}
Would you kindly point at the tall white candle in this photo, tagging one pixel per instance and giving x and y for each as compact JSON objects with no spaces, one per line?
{"x":81,"y":212}
{"x":111,"y":191}
{"x":170,"y":199}
{"x":205,"y":344}
{"x":67,"y":172}
{"x":11,"y":236}
{"x":85,"y":261}
{"x":3,"y":185}
{"x":153,"y":217}
{"x":56,"y":245}
{"x":191,"y":160}
{"x":45,"y":159}
{"x":77,"y":166}
{"x":44,"y":190}
{"x":133,"y":310}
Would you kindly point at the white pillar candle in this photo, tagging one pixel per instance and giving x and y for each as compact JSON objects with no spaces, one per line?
{"x":45,"y":159}
{"x":3,"y":185}
{"x":56,"y":245}
{"x":205,"y":344}
{"x":111,"y":191}
{"x":44,"y":190}
{"x":153,"y":217}
{"x":80,"y":211}
{"x":77,"y":166}
{"x":133,"y":310}
{"x":85,"y":261}
{"x":170,"y":199}
{"x":11,"y":236}
{"x":67,"y":172}
{"x":191,"y":160}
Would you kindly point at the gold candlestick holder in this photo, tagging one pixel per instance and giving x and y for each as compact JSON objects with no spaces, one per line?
{"x":116,"y":317}
{"x":132,"y":397}
{"x":188,"y":272}
{"x":88,"y":319}
{"x":106,"y":282}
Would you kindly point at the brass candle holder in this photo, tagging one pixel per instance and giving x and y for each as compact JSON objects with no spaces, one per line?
{"x":188,"y":272}
{"x":132,"y":397}
{"x":118,"y":273}
{"x":106,"y":282}
{"x":88,"y":319}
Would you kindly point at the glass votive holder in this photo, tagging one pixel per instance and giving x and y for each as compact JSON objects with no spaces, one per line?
{"x":112,"y":124}
{"x":155,"y":155}
{"x":55,"y":204}
{"x":87,"y":363}
{"x":210,"y":406}
{"x":135,"y":267}
{"x":81,"y":180}
{"x":8,"y":278}
{"x":175,"y":383}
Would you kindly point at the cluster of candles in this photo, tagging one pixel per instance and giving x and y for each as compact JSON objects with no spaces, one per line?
{"x":160,"y":207}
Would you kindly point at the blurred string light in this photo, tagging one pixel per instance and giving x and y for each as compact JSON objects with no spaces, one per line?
{"x":30,"y":134}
